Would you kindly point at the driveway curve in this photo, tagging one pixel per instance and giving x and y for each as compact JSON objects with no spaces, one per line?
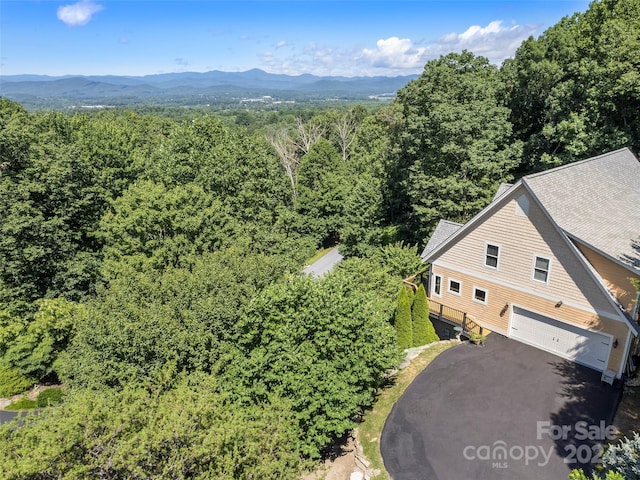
{"x":324,"y":264}
{"x":502,"y":411}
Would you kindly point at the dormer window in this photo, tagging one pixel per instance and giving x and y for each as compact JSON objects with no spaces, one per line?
{"x":491,"y":256}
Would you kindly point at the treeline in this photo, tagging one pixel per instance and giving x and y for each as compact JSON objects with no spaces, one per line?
{"x":153,"y":265}
{"x":154,"y":268}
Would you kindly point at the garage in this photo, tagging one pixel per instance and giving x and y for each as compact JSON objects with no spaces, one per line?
{"x":567,"y":341}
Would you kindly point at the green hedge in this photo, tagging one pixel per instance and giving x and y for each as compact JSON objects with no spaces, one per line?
{"x":12,"y":381}
{"x":51,"y":396}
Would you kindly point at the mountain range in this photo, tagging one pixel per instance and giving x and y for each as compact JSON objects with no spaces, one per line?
{"x":191,"y":88}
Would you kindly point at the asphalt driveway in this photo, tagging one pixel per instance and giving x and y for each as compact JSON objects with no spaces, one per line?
{"x":325,"y":263}
{"x":502,"y":411}
{"x":6,"y":416}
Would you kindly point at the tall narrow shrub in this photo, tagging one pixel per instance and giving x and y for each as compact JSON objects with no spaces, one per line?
{"x":423,"y":331}
{"x":404,"y":327}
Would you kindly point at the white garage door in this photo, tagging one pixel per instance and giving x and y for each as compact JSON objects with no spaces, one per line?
{"x":573,"y":343}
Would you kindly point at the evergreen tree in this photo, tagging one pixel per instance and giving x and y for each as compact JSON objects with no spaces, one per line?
{"x":423,"y":331}
{"x":404,"y":328}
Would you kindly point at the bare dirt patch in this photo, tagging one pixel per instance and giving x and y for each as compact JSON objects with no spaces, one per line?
{"x":627,"y":418}
{"x":339,"y":464}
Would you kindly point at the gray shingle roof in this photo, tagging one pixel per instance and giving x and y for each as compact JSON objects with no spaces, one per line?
{"x":443,"y":230}
{"x":596,"y":201}
{"x":502,"y":189}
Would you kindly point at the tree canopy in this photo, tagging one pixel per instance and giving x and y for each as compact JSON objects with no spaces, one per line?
{"x":153,"y":262}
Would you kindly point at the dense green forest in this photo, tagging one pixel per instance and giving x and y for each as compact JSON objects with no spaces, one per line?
{"x":152,"y":264}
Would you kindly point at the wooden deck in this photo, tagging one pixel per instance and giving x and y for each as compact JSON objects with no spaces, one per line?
{"x":443,"y":312}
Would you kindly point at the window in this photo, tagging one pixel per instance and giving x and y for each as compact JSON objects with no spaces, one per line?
{"x":541,"y":269}
{"x":455,"y":287}
{"x":447,"y":334}
{"x":480,"y":295}
{"x":437,"y":285}
{"x":491,"y":257}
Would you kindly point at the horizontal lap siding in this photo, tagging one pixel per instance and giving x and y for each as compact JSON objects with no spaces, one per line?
{"x":489,"y":316}
{"x":615,"y":277}
{"x":520,"y":239}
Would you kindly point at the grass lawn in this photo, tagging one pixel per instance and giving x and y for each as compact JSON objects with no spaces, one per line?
{"x":369,"y":431}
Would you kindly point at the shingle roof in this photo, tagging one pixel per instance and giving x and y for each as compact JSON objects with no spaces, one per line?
{"x":502,"y":189}
{"x":596,"y":201}
{"x":443,"y":230}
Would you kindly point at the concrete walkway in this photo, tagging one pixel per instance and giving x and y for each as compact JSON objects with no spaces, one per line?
{"x":502,"y":411}
{"x":324,"y":264}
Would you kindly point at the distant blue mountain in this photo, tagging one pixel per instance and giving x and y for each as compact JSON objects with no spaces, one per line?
{"x":183,"y":87}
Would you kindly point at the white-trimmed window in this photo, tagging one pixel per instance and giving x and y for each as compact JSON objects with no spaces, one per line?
{"x":492,"y":252}
{"x":437,"y":285}
{"x":480,"y":295}
{"x":455,"y":286}
{"x":541,"y":267}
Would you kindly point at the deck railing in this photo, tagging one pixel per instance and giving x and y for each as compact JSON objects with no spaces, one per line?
{"x":441,"y":312}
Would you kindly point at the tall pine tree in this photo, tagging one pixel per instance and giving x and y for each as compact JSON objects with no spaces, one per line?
{"x":423,"y":331}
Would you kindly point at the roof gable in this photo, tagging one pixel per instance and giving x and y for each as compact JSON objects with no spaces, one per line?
{"x":443,"y":230}
{"x":596,"y":201}
{"x":574,"y":263}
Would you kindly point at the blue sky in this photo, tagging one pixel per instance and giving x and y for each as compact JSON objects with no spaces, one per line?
{"x":121,"y":37}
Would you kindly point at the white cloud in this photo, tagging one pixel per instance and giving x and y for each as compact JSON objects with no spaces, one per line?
{"x":78,"y":13}
{"x":281,"y":44}
{"x":495,"y":41}
{"x":395,"y":53}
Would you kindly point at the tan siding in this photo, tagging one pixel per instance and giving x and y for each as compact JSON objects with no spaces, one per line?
{"x":616,"y":277}
{"x":520,"y":239}
{"x":496,"y":317}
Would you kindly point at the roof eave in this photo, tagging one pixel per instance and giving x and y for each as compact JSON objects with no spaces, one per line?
{"x":617,"y":261}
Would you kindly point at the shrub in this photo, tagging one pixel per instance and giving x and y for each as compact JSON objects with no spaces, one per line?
{"x":620,"y":462}
{"x":423,"y":331}
{"x":23,"y":404}
{"x":624,"y":458}
{"x":51,"y":396}
{"x":404,"y":327}
{"x":191,"y":431}
{"x":12,"y":381}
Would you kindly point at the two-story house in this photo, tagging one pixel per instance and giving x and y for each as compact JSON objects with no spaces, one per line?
{"x":550,"y":261}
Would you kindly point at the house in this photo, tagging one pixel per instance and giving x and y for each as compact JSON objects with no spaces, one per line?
{"x":549,"y":262}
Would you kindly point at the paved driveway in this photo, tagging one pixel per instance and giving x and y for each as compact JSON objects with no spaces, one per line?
{"x":325,"y":263}
{"x":6,"y":416}
{"x":502,"y":411}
